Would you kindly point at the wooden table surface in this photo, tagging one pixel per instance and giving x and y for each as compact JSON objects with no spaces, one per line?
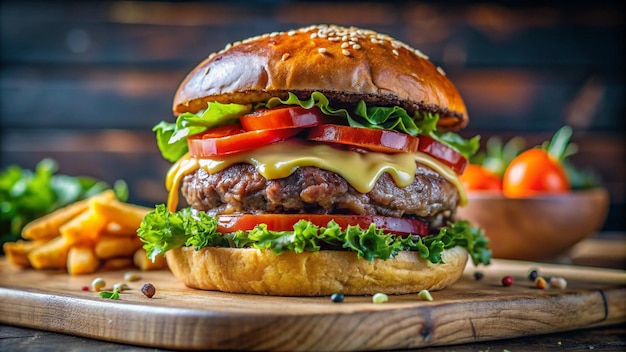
{"x":604,"y":251}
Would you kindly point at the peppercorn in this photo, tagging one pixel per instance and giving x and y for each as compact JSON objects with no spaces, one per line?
{"x":131,"y":276}
{"x":478,"y":276}
{"x":148,"y":290}
{"x":533,"y":274}
{"x":558,"y":282}
{"x":541,"y":283}
{"x":425,"y":295}
{"x":380,"y":298}
{"x":97,"y":284}
{"x":337,"y":297}
{"x":507,"y":281}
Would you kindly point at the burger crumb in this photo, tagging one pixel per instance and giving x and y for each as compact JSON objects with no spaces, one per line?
{"x":285,"y":56}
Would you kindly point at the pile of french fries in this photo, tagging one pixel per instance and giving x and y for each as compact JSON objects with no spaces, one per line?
{"x":98,"y":233}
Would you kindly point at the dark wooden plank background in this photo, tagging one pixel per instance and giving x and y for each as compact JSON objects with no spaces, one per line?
{"x":84,"y":82}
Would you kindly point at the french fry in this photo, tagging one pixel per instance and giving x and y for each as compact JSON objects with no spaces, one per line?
{"x":111,"y":247}
{"x":17,"y":252}
{"x":47,"y":226}
{"x":82,"y":229}
{"x":141,"y":260}
{"x":81,"y":259}
{"x":50,"y":255}
{"x":115,"y":229}
{"x":124,"y":214}
{"x":117,"y":264}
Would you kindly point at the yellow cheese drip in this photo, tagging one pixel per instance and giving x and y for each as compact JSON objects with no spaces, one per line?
{"x":279,"y":160}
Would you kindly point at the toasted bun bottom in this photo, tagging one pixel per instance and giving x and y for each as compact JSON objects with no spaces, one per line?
{"x":320,"y":273}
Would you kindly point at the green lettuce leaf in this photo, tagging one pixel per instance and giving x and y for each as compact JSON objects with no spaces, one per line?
{"x":162,"y":230}
{"x":172,"y":137}
{"x":392,"y":118}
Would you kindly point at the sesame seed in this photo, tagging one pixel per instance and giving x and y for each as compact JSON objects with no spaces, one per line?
{"x":321,"y":50}
{"x":273,"y":34}
{"x":356,"y":47}
{"x":344,"y":38}
{"x":313,"y":35}
{"x":206,"y":71}
{"x":285,"y":56}
{"x":395,"y":52}
{"x":228,"y":46}
{"x":344,"y":45}
{"x":441,"y":71}
{"x":291,"y":32}
{"x":334,"y":39}
{"x":345,"y":52}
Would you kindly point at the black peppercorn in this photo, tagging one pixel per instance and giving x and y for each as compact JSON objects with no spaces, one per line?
{"x":336,"y":297}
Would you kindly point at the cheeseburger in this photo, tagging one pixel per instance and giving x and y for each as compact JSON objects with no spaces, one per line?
{"x":318,"y":160}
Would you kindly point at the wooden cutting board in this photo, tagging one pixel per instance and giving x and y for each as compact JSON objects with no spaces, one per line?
{"x":181,"y":318}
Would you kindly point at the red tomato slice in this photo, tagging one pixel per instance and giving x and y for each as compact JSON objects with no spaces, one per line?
{"x":443,"y":153}
{"x":285,"y":222}
{"x":229,"y":139}
{"x":283,"y":117}
{"x":383,"y":141}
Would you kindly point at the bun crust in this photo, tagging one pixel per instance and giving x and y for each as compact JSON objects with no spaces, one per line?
{"x":248,"y":270}
{"x":346,"y":64}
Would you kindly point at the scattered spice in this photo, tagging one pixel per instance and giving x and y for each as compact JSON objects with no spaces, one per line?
{"x":131,"y":276}
{"x":380,"y":298}
{"x":478,"y":276}
{"x":541,"y":283}
{"x":533,"y":274}
{"x":121,"y":286}
{"x":425,"y":295}
{"x":337,"y":297}
{"x":507,"y":281}
{"x":97,"y":284}
{"x":148,"y":290}
{"x":558,"y":282}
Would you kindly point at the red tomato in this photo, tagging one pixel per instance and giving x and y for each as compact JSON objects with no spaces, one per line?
{"x":285,"y":222}
{"x":283,"y":117}
{"x":534,"y":172}
{"x":443,"y":153}
{"x":383,"y":141}
{"x":229,"y":139}
{"x":477,"y":178}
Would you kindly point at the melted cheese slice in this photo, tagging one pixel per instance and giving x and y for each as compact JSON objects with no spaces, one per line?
{"x":279,"y":160}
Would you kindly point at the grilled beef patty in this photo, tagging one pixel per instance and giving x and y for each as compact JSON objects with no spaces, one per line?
{"x":240,"y":189}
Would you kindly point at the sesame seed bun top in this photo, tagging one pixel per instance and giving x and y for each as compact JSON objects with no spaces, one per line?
{"x":346,"y":64}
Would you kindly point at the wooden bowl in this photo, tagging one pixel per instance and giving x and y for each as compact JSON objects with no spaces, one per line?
{"x":536,"y":228}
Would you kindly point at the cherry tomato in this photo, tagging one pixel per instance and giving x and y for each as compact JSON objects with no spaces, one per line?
{"x":534,"y":172}
{"x":285,"y":222}
{"x":477,"y":178}
{"x":376,"y":140}
{"x":443,"y":153}
{"x":283,"y":117}
{"x":229,"y":139}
